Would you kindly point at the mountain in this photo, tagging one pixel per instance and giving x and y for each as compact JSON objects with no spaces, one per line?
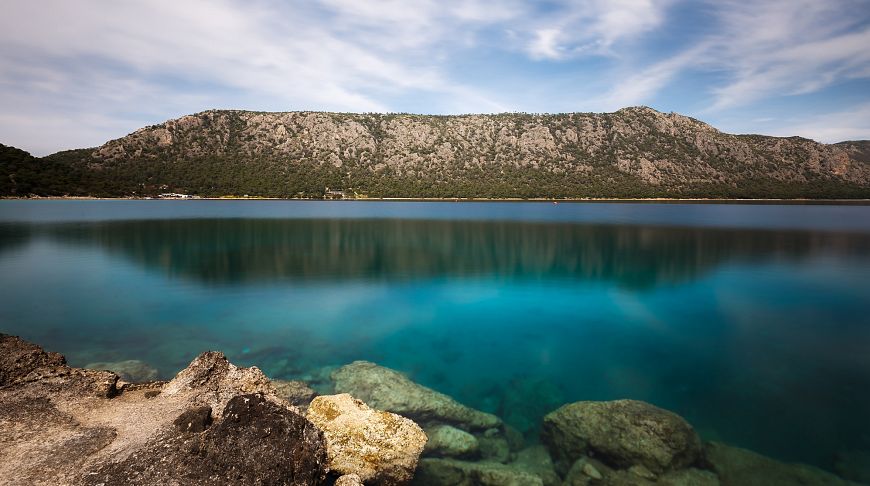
{"x":634,"y":152}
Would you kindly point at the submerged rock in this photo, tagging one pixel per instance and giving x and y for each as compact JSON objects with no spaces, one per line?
{"x":537,"y":461}
{"x":741,"y":467}
{"x":448,"y":441}
{"x":63,"y":425}
{"x":389,"y":390}
{"x":296,"y":392}
{"x":853,"y":465}
{"x":379,"y":447}
{"x":131,"y":370}
{"x":443,"y":472}
{"x":622,"y":434}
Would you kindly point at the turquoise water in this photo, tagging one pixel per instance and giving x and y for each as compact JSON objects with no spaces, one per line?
{"x":752,"y":321}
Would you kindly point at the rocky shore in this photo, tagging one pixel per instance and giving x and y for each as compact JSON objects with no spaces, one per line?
{"x":215,"y":423}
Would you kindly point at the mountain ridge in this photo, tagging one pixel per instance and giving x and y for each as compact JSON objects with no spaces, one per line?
{"x":632,"y":152}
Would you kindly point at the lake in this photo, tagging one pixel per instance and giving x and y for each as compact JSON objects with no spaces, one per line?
{"x":752,"y":321}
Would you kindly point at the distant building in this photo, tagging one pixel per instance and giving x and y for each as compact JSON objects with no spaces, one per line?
{"x":174,"y":195}
{"x":332,"y":194}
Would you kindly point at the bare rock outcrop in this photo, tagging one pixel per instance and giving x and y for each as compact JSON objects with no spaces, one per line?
{"x":213,"y":424}
{"x":380,"y":447}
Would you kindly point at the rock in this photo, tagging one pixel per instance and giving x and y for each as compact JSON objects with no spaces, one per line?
{"x":622,"y":433}
{"x":63,"y":425}
{"x":256,"y":442}
{"x":195,"y":419}
{"x":537,"y":461}
{"x":736,"y":466}
{"x":853,"y":465}
{"x":389,"y":390}
{"x":586,"y":470}
{"x":349,"y":480}
{"x":379,"y":447}
{"x":131,"y":370}
{"x":296,"y":392}
{"x":689,"y":477}
{"x":453,"y":472}
{"x":494,"y":448}
{"x":215,"y":381}
{"x":447,"y":441}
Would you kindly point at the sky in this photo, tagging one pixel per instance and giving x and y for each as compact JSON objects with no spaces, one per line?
{"x":78,"y":73}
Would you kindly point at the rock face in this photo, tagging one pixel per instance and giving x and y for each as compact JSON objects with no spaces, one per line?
{"x":379,"y":447}
{"x":131,"y":370}
{"x":623,"y":434}
{"x":736,"y":466}
{"x":389,"y":390}
{"x":448,"y":441}
{"x":257,"y":442}
{"x":62,"y":425}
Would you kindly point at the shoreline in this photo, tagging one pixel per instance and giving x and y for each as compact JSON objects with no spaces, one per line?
{"x":452,"y":199}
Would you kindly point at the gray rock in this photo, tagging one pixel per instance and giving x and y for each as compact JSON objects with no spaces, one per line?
{"x":448,"y":441}
{"x":379,"y":447}
{"x":389,"y":390}
{"x":452,"y":472}
{"x":853,"y":465}
{"x":296,"y":392}
{"x":537,"y":461}
{"x":740,"y":467}
{"x":622,"y":433}
{"x":131,"y":370}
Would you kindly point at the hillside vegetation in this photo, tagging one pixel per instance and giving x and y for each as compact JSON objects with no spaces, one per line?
{"x":634,"y":152}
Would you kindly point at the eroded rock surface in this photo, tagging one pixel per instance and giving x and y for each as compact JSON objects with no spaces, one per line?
{"x":389,"y":390}
{"x":622,"y":434}
{"x":379,"y":447}
{"x":63,"y":425}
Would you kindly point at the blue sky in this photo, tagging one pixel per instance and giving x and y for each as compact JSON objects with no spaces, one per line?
{"x":78,"y":73}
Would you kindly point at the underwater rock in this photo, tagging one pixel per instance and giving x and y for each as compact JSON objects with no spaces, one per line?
{"x":741,"y":467}
{"x":296,"y":392}
{"x":853,"y":465}
{"x":380,"y":447}
{"x":494,"y":447}
{"x":63,"y":425}
{"x":622,"y":434}
{"x":349,"y":480}
{"x":586,"y":471}
{"x":537,"y":461}
{"x":256,"y":442}
{"x":131,"y":370}
{"x":448,"y":441}
{"x":689,"y":477}
{"x":524,"y":414}
{"x":453,"y":472}
{"x":389,"y":390}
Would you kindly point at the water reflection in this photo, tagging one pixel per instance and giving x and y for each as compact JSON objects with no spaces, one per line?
{"x":249,"y":251}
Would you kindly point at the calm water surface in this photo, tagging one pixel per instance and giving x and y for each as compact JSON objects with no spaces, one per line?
{"x":751,"y":321}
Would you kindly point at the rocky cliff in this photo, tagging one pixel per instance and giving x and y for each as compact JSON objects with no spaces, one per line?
{"x":636,"y":152}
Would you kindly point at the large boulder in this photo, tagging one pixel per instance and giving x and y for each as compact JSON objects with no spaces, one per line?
{"x":448,"y":441}
{"x":210,"y":379}
{"x":380,"y":447}
{"x":389,"y":390}
{"x":622,"y":434}
{"x":131,"y":370}
{"x":740,"y":467}
{"x":453,"y":472}
{"x":256,"y":442}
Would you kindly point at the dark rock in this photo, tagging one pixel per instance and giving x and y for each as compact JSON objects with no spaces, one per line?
{"x":452,"y":472}
{"x":256,"y":442}
{"x":740,"y":467}
{"x":19,"y":358}
{"x":621,"y":433}
{"x":195,"y":419}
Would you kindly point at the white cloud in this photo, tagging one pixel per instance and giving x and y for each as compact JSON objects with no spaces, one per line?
{"x":839,"y":126}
